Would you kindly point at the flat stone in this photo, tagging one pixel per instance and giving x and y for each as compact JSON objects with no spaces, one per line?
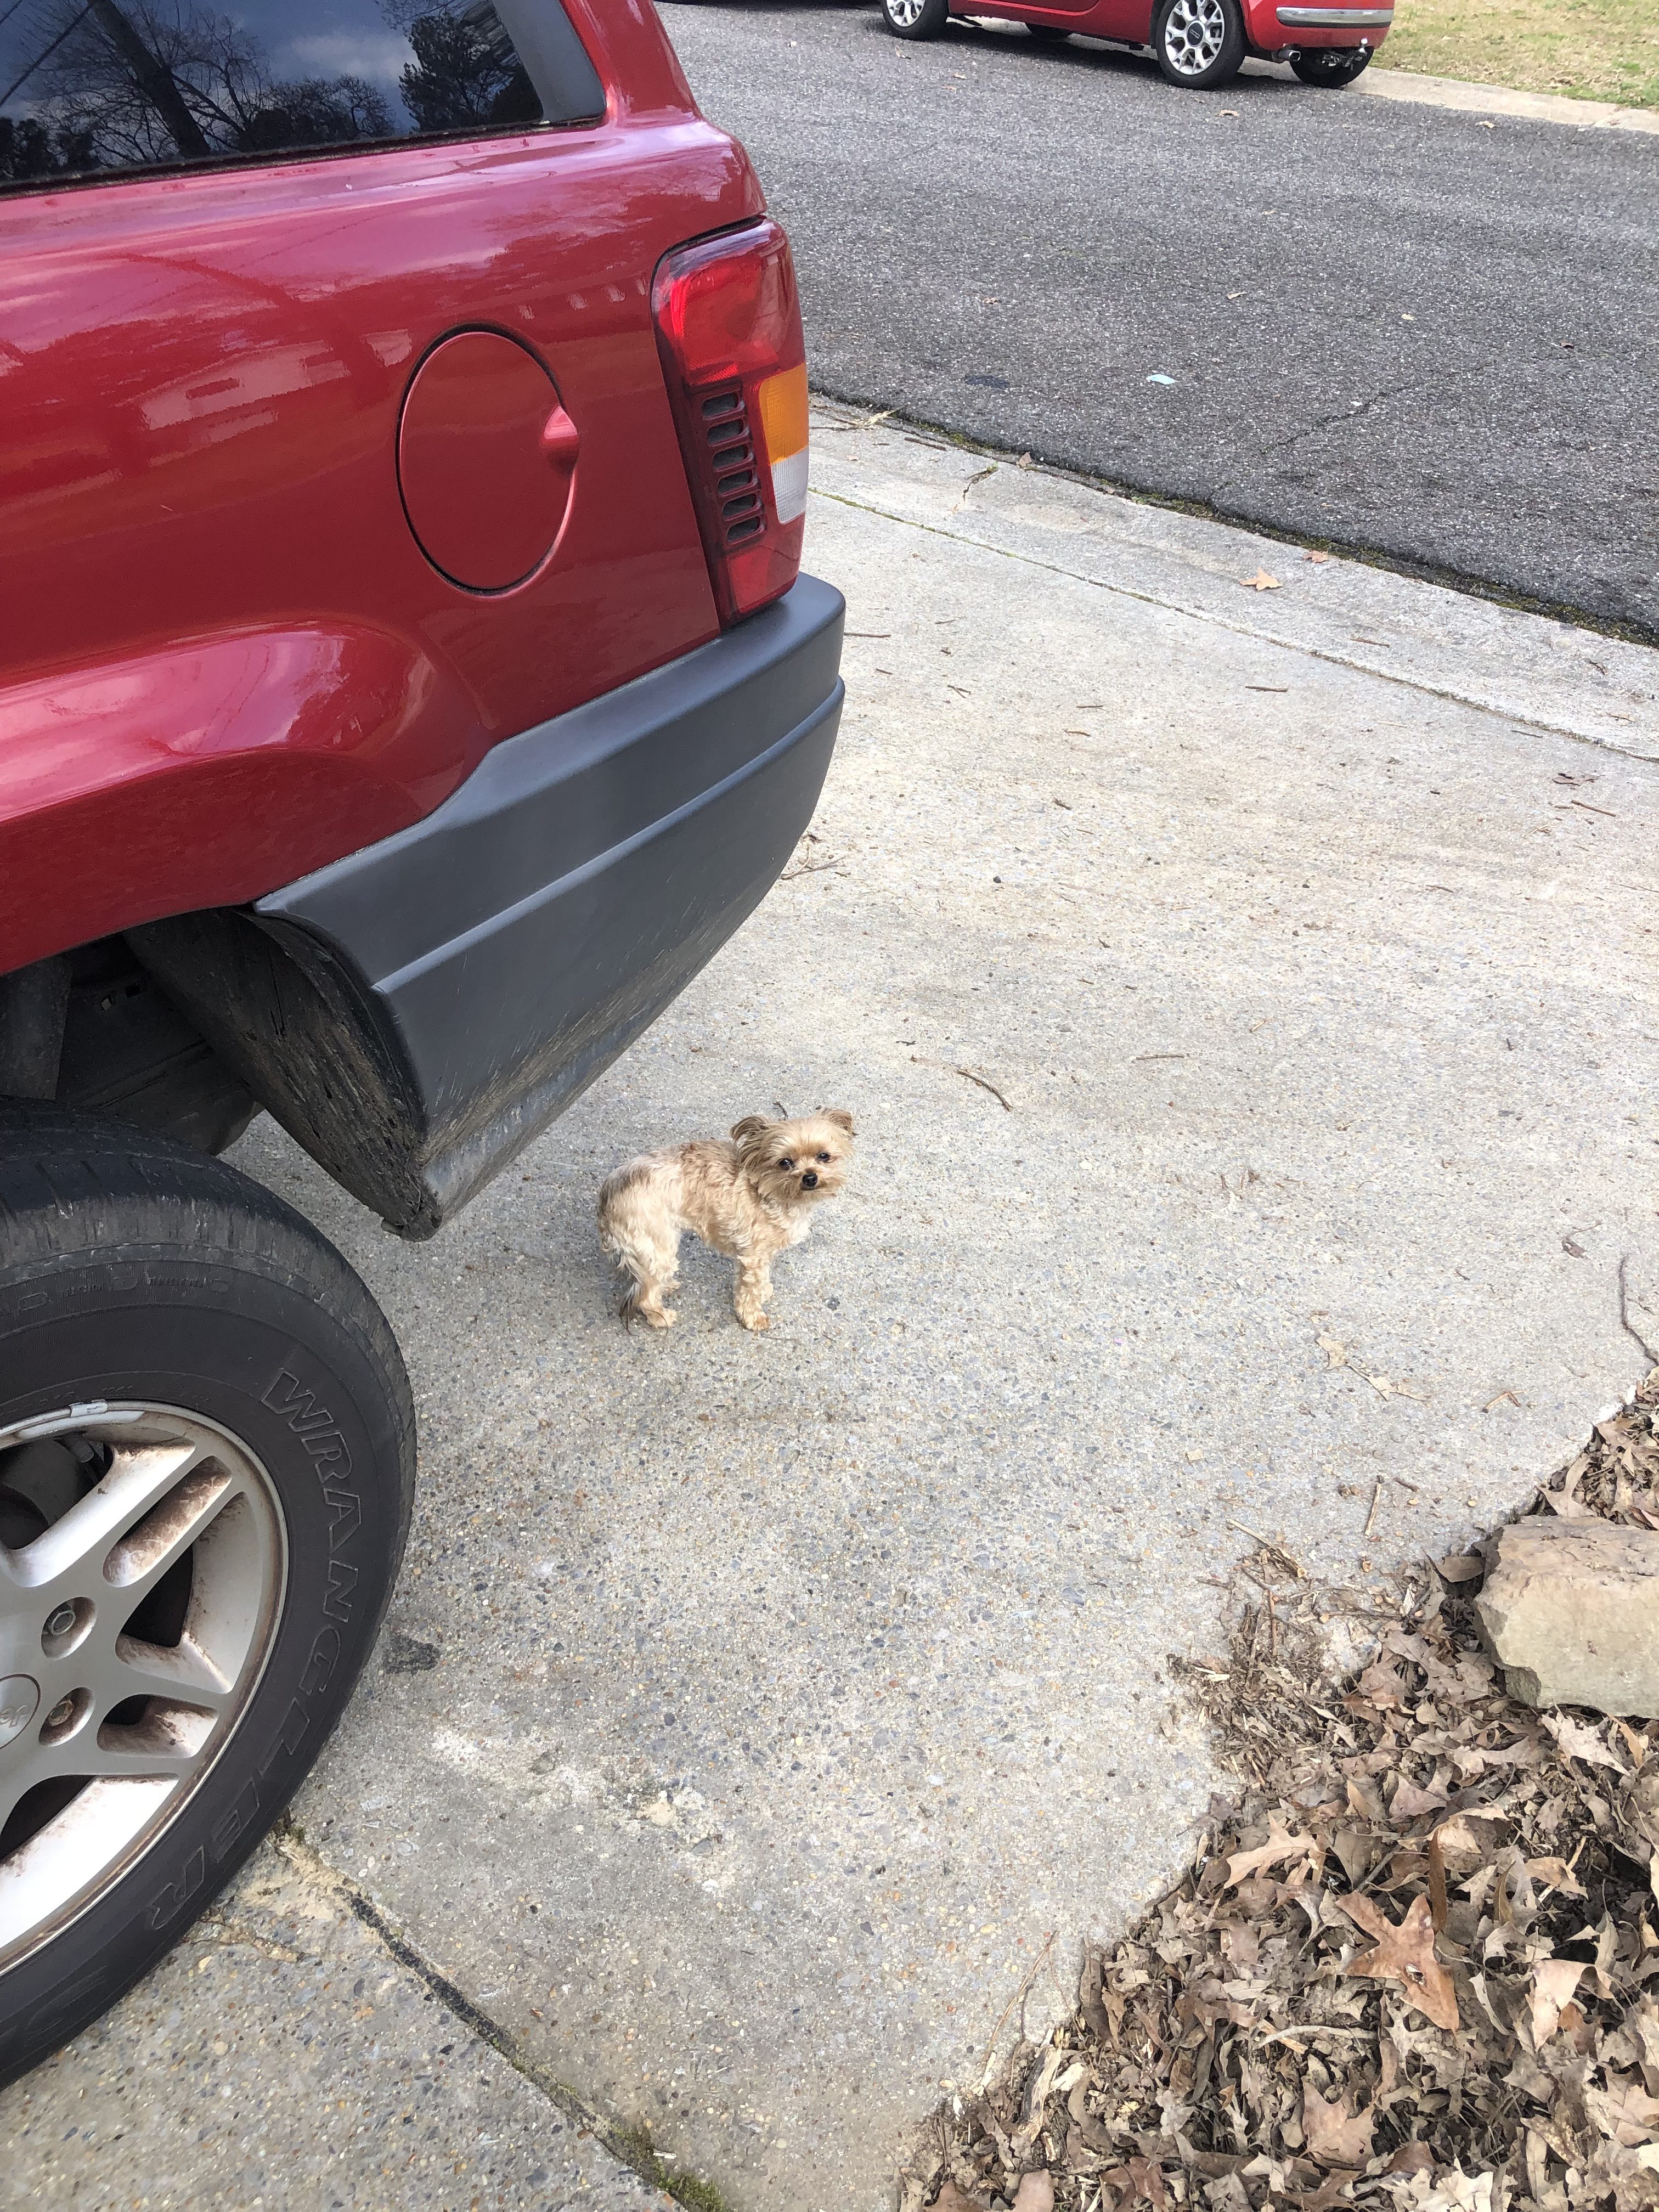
{"x":1571,"y":1609}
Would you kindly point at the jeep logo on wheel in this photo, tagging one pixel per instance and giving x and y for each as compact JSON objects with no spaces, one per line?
{"x":19,"y":1696}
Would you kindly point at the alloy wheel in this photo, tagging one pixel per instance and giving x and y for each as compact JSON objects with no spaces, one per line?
{"x":904,"y":13}
{"x":142,"y":1566}
{"x":1194,"y":31}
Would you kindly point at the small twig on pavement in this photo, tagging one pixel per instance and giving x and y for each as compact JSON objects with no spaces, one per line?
{"x":1630,"y":1328}
{"x":971,"y":481}
{"x":1268,"y":1544}
{"x":917,"y":1060}
{"x":1370,"y":1518}
{"x":1030,"y":1976}
{"x":984,"y":1085}
{"x":809,"y":868}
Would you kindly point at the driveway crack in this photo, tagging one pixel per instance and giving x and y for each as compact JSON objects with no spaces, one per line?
{"x":629,"y":2146}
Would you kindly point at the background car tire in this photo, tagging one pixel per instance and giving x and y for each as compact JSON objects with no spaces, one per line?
{"x":213,"y":1396}
{"x":1331,"y":66}
{"x":1198,"y":43}
{"x":915,"y":19}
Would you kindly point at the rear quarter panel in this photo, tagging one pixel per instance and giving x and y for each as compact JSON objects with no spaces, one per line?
{"x":224,"y":662}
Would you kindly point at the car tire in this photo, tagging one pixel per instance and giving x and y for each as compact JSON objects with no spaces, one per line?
{"x":915,"y":19}
{"x":1331,"y":67}
{"x":207,"y":1462}
{"x":1198,"y":43}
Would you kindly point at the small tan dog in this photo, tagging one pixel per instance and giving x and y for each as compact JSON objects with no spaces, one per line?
{"x":750,"y":1198}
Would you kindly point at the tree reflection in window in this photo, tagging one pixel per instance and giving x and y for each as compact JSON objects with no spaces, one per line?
{"x":90,"y":85}
{"x":466,"y":75}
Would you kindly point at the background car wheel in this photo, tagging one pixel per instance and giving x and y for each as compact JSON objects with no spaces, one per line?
{"x":915,"y":18}
{"x":1331,"y":66}
{"x":207,"y":1457}
{"x":1199,"y":42}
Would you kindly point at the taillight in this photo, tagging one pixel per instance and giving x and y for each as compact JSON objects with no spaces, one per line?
{"x":728,"y":330}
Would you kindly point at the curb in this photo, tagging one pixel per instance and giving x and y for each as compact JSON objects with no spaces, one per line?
{"x":1384,"y":83}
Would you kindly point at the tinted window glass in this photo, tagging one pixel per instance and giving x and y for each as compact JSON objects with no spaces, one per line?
{"x":91,"y":87}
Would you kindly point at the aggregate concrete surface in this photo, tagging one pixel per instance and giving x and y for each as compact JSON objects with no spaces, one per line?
{"x":754,"y":1711}
{"x":1386,"y":325}
{"x":278,"y":2058}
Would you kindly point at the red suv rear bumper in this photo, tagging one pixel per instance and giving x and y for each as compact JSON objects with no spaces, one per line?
{"x":490,"y":962}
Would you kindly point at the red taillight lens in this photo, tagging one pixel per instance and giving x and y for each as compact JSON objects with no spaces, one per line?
{"x":728,"y":330}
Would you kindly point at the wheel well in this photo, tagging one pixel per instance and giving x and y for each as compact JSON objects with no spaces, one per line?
{"x":92,"y":1030}
{"x":187,"y":1027}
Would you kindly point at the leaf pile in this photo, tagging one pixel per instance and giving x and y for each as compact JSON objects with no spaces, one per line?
{"x":1415,"y":1967}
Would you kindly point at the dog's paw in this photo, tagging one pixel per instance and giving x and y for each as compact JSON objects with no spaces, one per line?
{"x":664,"y":1319}
{"x":758,"y":1323}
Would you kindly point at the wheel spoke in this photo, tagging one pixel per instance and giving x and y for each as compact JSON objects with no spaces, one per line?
{"x":126,"y":1519}
{"x":72,"y":1849}
{"x":176,"y":1672}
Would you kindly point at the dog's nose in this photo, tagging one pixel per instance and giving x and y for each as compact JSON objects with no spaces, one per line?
{"x":810,"y":1180}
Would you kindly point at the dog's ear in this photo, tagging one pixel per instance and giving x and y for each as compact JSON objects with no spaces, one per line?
{"x":840,"y":1117}
{"x":745,"y":1133}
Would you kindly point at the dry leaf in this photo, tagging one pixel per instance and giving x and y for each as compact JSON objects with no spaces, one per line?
{"x":1465,"y":1841}
{"x":1335,"y":1352}
{"x":1335,"y":2136}
{"x":1405,"y":1954}
{"x":1458,"y":2191}
{"x":1461,"y":1567}
{"x":1408,"y":1801}
{"x":1280,"y":1846}
{"x":1623,"y":2110}
{"x":1035,"y":2193}
{"x":1553,"y":1981}
{"x":1578,"y":1742}
{"x":1555,"y":1874}
{"x":1262,"y":581}
{"x":951,"y":2199}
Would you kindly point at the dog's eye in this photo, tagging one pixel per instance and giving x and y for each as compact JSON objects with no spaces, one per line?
{"x":785,"y":1163}
{"x":823,"y":1156}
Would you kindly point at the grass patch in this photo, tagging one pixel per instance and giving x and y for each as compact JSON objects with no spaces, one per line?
{"x":1582,"y":49}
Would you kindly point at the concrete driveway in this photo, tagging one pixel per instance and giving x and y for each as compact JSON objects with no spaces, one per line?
{"x":1210,"y":968}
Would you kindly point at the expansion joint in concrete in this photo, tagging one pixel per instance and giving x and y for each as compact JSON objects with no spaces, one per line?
{"x":629,"y":2146}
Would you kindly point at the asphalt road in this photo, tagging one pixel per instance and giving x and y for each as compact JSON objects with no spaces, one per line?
{"x":1389,"y":327}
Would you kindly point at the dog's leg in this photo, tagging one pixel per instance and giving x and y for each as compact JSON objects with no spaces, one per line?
{"x":754,"y":1287}
{"x":650,"y":1260}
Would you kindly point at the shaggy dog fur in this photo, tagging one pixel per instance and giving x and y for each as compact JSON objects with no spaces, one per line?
{"x":750,"y":1198}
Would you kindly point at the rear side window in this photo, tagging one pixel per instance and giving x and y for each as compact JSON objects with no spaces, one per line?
{"x":92,"y":88}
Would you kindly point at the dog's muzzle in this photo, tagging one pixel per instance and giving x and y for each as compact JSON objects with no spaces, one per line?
{"x":810,"y":1181}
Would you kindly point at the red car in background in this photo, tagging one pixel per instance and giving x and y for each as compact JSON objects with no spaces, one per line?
{"x":1198,"y":42}
{"x":406,"y":685}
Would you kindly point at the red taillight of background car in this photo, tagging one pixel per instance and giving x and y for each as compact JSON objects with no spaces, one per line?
{"x":729,"y":332}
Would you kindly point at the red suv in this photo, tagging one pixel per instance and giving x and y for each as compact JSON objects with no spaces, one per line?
{"x":1197,"y":42}
{"x":405,"y":687}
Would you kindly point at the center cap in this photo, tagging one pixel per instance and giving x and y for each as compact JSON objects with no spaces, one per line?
{"x":19,"y":1696}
